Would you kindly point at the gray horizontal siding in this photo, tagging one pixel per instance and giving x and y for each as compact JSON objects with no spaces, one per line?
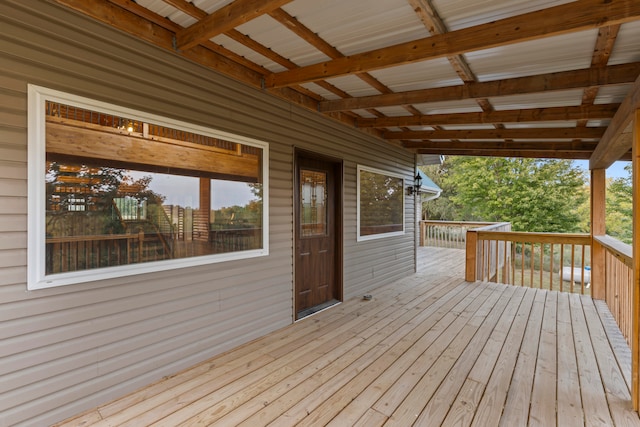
{"x":67,"y":349}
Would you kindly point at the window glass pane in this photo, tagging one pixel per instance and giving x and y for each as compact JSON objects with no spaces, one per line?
{"x":313,"y":199}
{"x":381,"y":208}
{"x":121,"y":191}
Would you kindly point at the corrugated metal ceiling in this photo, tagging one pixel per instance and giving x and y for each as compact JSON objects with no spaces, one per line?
{"x":326,"y":31}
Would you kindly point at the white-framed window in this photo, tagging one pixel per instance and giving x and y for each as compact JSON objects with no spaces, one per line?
{"x":115,"y":191}
{"x":380,"y":203}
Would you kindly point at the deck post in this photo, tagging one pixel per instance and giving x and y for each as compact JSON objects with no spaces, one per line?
{"x":598,"y":228}
{"x":635,"y":327}
{"x":471,"y":256}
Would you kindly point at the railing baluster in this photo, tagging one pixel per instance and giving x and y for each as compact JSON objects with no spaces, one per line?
{"x":573,"y":262}
{"x":523,"y":248}
{"x":541,"y":263}
{"x":551,"y":245}
{"x":582,"y":265}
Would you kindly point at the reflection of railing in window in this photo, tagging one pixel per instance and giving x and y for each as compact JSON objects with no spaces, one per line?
{"x":73,"y":253}
{"x":235,"y":239}
{"x":137,"y":216}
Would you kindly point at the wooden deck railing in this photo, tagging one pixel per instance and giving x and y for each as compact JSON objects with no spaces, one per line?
{"x":618,"y":282}
{"x":555,"y":261}
{"x":447,"y":234}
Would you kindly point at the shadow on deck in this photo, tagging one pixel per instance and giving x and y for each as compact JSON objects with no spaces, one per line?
{"x":428,"y":350}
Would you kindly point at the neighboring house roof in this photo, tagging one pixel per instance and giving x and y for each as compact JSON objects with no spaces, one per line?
{"x":428,"y":189}
{"x":430,"y":159}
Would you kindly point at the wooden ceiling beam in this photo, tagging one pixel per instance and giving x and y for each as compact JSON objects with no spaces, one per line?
{"x":585,"y":146}
{"x":564,"y":80}
{"x":434,"y":23}
{"x":530,"y":154}
{"x":616,"y":141}
{"x":601,"y":53}
{"x":571,"y":17}
{"x":224,"y":19}
{"x":194,"y":11}
{"x":141,"y":23}
{"x":319,"y":43}
{"x":600,"y":111}
{"x":528,"y":133}
{"x":436,"y":26}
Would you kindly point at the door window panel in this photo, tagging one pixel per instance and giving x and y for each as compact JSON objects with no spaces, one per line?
{"x":313,"y":200}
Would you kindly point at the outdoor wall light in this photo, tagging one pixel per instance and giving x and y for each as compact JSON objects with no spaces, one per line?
{"x":417,"y":184}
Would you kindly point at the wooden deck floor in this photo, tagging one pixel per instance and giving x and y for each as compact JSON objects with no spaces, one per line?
{"x":429,"y":350}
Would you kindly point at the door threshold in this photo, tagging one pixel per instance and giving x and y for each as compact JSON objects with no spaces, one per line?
{"x":316,"y":309}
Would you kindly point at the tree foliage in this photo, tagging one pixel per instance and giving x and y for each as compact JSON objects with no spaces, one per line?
{"x":532,"y":194}
{"x":620,"y":207}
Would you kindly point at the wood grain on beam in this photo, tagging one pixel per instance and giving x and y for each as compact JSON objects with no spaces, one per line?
{"x":601,"y":111}
{"x":502,"y":145}
{"x":323,"y":46}
{"x":531,"y":154}
{"x":209,"y":54}
{"x":564,"y":80}
{"x":528,"y":133}
{"x":159,"y":35}
{"x":617,"y":140}
{"x":571,"y":17}
{"x":224,"y":19}
{"x":94,"y":144}
{"x":601,"y":53}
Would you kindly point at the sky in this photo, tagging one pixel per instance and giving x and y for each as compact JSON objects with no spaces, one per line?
{"x":184,"y":190}
{"x":616,"y":170}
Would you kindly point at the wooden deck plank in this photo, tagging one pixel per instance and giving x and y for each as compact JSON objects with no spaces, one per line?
{"x":543,"y":396}
{"x":353,"y":397}
{"x":569,"y":400}
{"x":452,"y":339}
{"x":371,"y":418}
{"x":465,"y":405}
{"x":616,"y":390}
{"x":341,"y":339}
{"x":618,"y":343}
{"x":281,"y":402}
{"x":516,"y":412}
{"x":491,"y":405}
{"x":395,"y":345}
{"x":438,"y":407}
{"x":429,"y":349}
{"x":428,"y":382}
{"x":594,"y":402}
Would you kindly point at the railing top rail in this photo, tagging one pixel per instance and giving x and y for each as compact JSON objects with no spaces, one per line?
{"x":96,"y":238}
{"x":620,"y":250}
{"x":457,"y":223}
{"x":497,"y":226}
{"x":534,"y":237}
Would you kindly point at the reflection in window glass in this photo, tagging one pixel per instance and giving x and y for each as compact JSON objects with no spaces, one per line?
{"x":100,"y":216}
{"x":381,"y":203}
{"x":119,"y":191}
{"x":313,"y":198}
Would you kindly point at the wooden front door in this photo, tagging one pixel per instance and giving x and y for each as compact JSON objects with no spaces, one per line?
{"x":317,"y":247}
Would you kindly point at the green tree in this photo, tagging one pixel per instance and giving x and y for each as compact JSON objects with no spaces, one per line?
{"x":619,"y":213}
{"x":532,"y":194}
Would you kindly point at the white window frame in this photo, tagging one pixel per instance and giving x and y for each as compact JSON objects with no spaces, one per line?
{"x":36,"y":245}
{"x":361,"y":238}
